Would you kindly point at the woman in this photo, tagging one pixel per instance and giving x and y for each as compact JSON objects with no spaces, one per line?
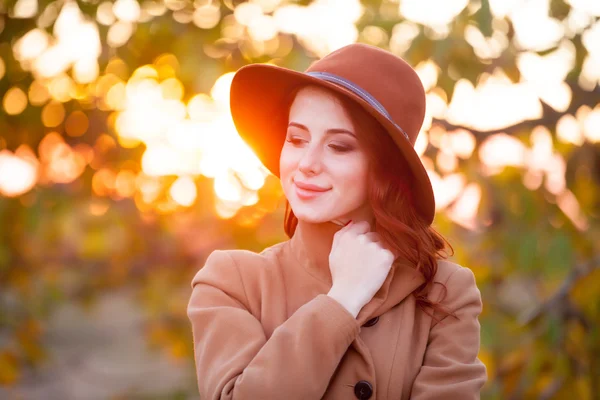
{"x":359,"y":302}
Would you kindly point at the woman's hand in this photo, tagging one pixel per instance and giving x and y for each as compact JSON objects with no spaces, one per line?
{"x":359,"y":264}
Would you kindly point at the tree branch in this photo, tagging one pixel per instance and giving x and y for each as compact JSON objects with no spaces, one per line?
{"x":549,"y":117}
{"x":578,"y":272}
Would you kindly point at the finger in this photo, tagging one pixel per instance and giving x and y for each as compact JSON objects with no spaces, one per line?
{"x":344,"y":229}
{"x":395,"y":253}
{"x":348,"y":227}
{"x":372,"y":236}
{"x":341,"y":232}
{"x":389,"y":257}
{"x":359,"y":227}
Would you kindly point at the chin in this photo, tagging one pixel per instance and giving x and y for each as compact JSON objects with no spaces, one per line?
{"x":310,"y":216}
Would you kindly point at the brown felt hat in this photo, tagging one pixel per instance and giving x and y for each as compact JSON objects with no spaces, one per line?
{"x":386,"y":86}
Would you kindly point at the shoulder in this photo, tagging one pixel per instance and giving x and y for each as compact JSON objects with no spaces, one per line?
{"x":249,"y":262}
{"x":242,"y":274}
{"x":447,"y":271}
{"x":252,"y":259}
{"x":454,"y":285}
{"x":225,"y":263}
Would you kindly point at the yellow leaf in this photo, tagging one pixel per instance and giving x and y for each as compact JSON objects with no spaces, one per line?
{"x":9,"y":368}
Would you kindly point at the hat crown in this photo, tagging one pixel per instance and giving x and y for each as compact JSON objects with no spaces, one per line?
{"x":385,"y":76}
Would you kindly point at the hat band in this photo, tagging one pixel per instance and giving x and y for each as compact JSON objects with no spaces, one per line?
{"x":357,"y":90}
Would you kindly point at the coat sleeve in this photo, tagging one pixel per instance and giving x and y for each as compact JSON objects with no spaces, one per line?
{"x":233,"y":357}
{"x":451,"y":369}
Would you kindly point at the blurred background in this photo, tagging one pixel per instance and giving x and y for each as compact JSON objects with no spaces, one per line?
{"x":121,"y":170}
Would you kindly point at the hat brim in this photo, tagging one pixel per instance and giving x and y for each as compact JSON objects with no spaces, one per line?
{"x":258,"y":107}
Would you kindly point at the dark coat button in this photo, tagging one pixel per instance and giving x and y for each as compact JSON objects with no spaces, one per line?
{"x":371,"y":322}
{"x":363,"y":390}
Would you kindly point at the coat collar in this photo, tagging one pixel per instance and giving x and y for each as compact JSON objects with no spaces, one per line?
{"x":310,"y":247}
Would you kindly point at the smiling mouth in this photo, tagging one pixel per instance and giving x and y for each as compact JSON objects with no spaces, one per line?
{"x":306,"y":194}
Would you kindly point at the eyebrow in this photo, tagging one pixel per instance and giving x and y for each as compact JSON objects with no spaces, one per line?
{"x":329,"y":131}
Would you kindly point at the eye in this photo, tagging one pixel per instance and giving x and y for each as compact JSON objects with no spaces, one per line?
{"x":340,"y":149}
{"x":293,"y":140}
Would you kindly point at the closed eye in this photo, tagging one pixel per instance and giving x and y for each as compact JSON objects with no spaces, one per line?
{"x":337,"y":148}
{"x":340,"y":149}
{"x":294,"y":140}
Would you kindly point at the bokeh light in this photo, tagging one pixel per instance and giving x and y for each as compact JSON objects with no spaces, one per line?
{"x":14,"y":101}
{"x":119,"y":159}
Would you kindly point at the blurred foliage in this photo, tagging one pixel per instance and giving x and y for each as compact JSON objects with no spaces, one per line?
{"x":534,"y":248}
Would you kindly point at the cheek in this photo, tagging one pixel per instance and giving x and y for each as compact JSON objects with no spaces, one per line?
{"x":353,"y":180}
{"x":286,"y":163}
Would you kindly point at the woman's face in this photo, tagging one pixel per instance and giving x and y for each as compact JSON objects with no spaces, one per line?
{"x":322,"y":149}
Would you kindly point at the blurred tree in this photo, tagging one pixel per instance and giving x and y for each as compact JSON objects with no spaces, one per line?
{"x":119,"y":164}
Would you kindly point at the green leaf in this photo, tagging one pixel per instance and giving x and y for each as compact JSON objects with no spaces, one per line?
{"x":483,"y":17}
{"x":559,"y":255}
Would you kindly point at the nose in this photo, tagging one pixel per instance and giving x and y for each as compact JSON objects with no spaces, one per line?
{"x":311,"y":161}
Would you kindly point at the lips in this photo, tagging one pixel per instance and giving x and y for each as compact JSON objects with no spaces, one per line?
{"x":307,"y":186}
{"x":307,"y":194}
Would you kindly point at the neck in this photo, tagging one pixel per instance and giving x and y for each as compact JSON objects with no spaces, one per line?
{"x":311,"y":244}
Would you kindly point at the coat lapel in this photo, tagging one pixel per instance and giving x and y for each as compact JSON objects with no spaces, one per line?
{"x":401,"y":281}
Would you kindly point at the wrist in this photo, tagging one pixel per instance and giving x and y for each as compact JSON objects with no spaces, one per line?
{"x":345,"y":300}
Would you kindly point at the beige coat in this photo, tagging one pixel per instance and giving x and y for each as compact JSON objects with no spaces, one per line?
{"x":264,"y":328}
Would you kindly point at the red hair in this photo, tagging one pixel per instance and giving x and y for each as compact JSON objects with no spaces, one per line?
{"x":398,"y":224}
